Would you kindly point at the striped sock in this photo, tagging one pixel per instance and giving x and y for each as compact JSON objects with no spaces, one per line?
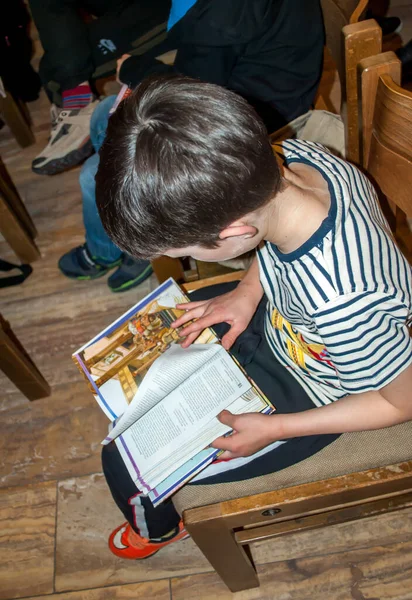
{"x":77,"y":97}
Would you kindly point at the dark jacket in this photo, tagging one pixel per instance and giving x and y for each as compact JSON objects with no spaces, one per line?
{"x":269,"y":51}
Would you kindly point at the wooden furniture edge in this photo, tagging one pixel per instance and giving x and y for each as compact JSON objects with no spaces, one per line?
{"x":297,"y":493}
{"x":201,"y":283}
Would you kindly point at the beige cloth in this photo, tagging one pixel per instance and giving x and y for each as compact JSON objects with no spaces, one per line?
{"x":319,"y":126}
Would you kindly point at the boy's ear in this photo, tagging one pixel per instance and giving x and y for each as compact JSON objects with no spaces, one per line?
{"x":238,"y":229}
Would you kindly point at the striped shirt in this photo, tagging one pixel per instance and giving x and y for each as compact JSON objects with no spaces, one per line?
{"x":338,"y":306}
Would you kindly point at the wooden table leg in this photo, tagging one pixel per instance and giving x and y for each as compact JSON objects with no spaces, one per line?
{"x":17,"y":365}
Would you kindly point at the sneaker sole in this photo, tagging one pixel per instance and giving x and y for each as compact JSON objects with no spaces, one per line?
{"x":72,"y":159}
{"x":89,"y":277}
{"x":133,"y":282}
{"x":156,"y":551}
{"x":144,"y":557}
{"x":83,"y":277}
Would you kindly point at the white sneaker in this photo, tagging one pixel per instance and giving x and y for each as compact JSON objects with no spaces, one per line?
{"x":69,"y":142}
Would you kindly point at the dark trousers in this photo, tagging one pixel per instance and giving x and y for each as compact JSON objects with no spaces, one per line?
{"x":74,"y":45}
{"x":253,"y":353}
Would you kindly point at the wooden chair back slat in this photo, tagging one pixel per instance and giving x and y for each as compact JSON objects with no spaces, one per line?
{"x":361,"y":40}
{"x":386,"y":133}
{"x":337,"y":14}
{"x":370,"y":70}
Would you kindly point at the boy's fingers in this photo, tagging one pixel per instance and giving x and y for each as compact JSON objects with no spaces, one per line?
{"x":231,"y":336}
{"x":222,"y":443}
{"x":227,"y":418}
{"x":188,"y":316}
{"x":200,"y":324}
{"x":190,"y":305}
{"x":226,"y":455}
{"x":190,"y":339}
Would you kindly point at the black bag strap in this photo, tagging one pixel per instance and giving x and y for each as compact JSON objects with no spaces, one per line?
{"x":14,"y":279}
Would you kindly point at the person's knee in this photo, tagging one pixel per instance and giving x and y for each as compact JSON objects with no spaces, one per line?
{"x":88,"y":173}
{"x":111,"y":459}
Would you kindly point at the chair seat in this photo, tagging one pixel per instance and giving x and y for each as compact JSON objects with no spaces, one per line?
{"x":350,"y":453}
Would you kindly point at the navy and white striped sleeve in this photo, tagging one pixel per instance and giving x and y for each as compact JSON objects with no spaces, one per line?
{"x":366,"y":338}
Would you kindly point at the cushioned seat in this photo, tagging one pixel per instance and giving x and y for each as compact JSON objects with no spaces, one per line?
{"x":350,"y":453}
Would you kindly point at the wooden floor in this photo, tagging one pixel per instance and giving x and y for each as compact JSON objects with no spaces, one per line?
{"x":55,"y":509}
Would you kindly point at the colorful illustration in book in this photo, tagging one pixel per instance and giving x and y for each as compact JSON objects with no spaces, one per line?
{"x":127,"y":352}
{"x":116,"y":361}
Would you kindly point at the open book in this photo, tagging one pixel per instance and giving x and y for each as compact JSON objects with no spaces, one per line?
{"x":162,"y":400}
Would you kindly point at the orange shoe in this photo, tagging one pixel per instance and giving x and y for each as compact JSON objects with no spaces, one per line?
{"x":126,"y":543}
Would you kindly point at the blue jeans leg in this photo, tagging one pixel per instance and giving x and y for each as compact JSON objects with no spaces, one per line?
{"x":98,"y":242}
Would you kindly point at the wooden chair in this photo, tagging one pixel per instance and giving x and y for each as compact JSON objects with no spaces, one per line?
{"x":360,"y":41}
{"x":360,"y":474}
{"x":16,"y":225}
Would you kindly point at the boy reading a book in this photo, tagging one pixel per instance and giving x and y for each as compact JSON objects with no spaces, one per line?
{"x":320,"y":321}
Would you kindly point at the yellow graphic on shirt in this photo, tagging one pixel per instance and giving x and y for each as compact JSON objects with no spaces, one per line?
{"x":296,"y":345}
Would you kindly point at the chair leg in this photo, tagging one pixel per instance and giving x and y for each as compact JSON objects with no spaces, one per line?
{"x":16,"y":120}
{"x":16,"y":234}
{"x":165,"y":267}
{"x":17,"y":365}
{"x":229,"y":559}
{"x":12,"y":196}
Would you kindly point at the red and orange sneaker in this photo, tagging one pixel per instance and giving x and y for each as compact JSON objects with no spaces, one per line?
{"x":126,"y":543}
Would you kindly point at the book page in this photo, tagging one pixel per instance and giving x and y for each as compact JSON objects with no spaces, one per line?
{"x":183,"y":414}
{"x":212,"y":430}
{"x":166,"y":374}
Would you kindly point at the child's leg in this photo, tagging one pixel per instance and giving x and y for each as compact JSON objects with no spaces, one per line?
{"x":150,"y":522}
{"x":100,"y":120}
{"x":98,"y":242}
{"x":99,"y":254}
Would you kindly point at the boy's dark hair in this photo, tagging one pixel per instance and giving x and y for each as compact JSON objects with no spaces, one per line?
{"x":182,"y":160}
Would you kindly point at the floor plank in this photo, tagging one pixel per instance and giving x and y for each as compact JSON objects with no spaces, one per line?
{"x":379,"y":573}
{"x":151,"y":590}
{"x":86,"y":516}
{"x":27,"y":538}
{"x":51,"y":438}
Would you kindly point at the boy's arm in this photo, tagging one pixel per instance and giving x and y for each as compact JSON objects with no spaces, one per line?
{"x":358,"y":412}
{"x":367,"y":341}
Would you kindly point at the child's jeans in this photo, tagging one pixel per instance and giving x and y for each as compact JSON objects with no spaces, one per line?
{"x":98,"y":242}
{"x":253,"y":352}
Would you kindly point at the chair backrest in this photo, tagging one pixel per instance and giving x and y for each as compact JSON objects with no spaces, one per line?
{"x":337,"y":14}
{"x":360,"y":40}
{"x":386,"y":137}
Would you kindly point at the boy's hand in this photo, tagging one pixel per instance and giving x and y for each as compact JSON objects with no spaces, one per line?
{"x":235,"y":308}
{"x":119,"y":63}
{"x":251,"y":433}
